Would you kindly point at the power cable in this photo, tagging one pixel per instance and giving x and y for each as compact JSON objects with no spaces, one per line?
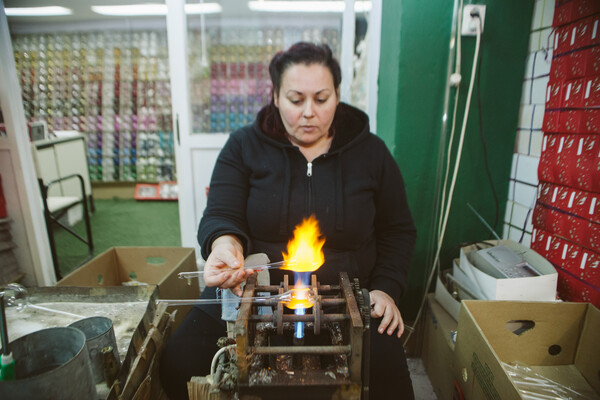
{"x":482,"y":137}
{"x":453,"y":182}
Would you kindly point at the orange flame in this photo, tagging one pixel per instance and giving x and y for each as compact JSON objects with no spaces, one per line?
{"x":305,"y":252}
{"x":300,"y":298}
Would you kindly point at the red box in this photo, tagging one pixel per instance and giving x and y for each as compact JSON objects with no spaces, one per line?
{"x":581,"y":35}
{"x":560,"y":68}
{"x":571,"y":121}
{"x":585,"y":168}
{"x":571,"y":10}
{"x":580,"y":262}
{"x":570,"y":288}
{"x":571,"y":160}
{"x":595,"y":26}
{"x":580,"y":63}
{"x":554,"y":94}
{"x":564,"y":13}
{"x":551,"y":121}
{"x":578,"y":230}
{"x":591,"y":121}
{"x":541,"y":241}
{"x":572,"y":93}
{"x":590,"y":267}
{"x":564,"y":161}
{"x":590,"y":92}
{"x":549,"y":157}
{"x":545,"y":168}
{"x":562,"y":40}
{"x":167,"y":190}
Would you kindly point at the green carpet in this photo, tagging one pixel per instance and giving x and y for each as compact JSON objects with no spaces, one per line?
{"x":120,"y":222}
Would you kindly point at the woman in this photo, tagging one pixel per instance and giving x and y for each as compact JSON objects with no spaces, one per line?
{"x":306,"y":154}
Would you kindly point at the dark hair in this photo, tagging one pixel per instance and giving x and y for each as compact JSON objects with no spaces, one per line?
{"x":307,"y":54}
{"x":300,"y":53}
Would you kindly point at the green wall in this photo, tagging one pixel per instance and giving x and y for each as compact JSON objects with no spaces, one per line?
{"x":412,"y":80}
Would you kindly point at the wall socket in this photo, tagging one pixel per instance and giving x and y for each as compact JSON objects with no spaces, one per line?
{"x":469,"y":23}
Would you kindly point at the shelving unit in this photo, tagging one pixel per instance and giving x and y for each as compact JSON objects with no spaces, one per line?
{"x":114,"y":88}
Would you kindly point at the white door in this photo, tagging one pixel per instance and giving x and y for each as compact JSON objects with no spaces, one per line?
{"x":218,"y":59}
{"x":19,"y":181}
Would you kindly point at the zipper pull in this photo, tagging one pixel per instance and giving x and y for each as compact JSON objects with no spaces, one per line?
{"x":309,"y":169}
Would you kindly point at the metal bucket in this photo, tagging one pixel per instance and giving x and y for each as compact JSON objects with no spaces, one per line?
{"x":50,"y":364}
{"x":99,"y":333}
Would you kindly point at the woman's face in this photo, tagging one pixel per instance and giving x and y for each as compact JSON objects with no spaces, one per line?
{"x":307,"y":101}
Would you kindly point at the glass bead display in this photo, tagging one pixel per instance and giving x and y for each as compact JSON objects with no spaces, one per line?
{"x":114,"y":88}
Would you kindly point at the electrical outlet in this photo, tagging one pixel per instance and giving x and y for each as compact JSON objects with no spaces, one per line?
{"x":469,"y":22}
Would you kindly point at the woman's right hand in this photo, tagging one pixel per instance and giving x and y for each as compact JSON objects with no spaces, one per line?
{"x":225,"y":264}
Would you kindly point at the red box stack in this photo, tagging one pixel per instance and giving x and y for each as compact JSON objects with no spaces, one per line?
{"x":566,"y":217}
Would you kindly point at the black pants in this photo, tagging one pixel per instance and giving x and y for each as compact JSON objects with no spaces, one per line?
{"x":191,"y":348}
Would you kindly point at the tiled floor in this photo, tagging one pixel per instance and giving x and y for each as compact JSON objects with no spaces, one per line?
{"x":421,"y":383}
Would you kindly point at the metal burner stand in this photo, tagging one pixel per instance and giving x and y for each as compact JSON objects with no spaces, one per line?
{"x":332,"y":363}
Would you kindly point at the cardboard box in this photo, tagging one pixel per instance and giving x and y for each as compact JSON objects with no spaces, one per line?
{"x":152,"y":265}
{"x":450,"y":291}
{"x":559,"y":341}
{"x":438,"y":348}
{"x":535,"y":288}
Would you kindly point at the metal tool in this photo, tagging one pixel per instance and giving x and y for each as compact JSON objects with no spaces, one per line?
{"x":285,"y":297}
{"x":273,"y":265}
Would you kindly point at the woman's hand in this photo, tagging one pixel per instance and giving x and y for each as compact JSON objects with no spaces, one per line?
{"x":225,"y":264}
{"x":382,"y":305}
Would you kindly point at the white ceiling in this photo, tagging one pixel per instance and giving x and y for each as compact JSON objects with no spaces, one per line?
{"x":82,"y":9}
{"x":235,"y":13}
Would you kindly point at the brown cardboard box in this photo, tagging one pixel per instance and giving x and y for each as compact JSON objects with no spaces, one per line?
{"x":438,"y":348}
{"x":152,"y":265}
{"x":558,"y":341}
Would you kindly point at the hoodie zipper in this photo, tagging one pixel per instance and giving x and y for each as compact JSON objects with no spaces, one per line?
{"x":309,"y":186}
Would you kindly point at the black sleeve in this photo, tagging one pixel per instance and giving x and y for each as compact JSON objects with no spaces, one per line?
{"x":225,"y":211}
{"x":395,"y":231}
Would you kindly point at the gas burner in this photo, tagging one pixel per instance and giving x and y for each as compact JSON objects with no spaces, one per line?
{"x":329,"y":361}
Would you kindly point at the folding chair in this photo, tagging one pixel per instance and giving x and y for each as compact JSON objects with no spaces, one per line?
{"x":57,"y":206}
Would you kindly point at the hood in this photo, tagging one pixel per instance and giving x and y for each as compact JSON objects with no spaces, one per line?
{"x":350,"y":126}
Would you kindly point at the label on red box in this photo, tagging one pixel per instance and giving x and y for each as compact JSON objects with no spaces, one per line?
{"x":562,"y":39}
{"x":581,"y":34}
{"x":591,"y":92}
{"x":589,"y":267}
{"x":573,"y":93}
{"x":594,"y":25}
{"x":551,"y":144}
{"x":554,"y":94}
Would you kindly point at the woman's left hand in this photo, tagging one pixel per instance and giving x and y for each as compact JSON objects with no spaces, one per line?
{"x":383,"y":306}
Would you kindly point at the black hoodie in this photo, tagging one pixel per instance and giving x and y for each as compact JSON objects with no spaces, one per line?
{"x":261,"y":188}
